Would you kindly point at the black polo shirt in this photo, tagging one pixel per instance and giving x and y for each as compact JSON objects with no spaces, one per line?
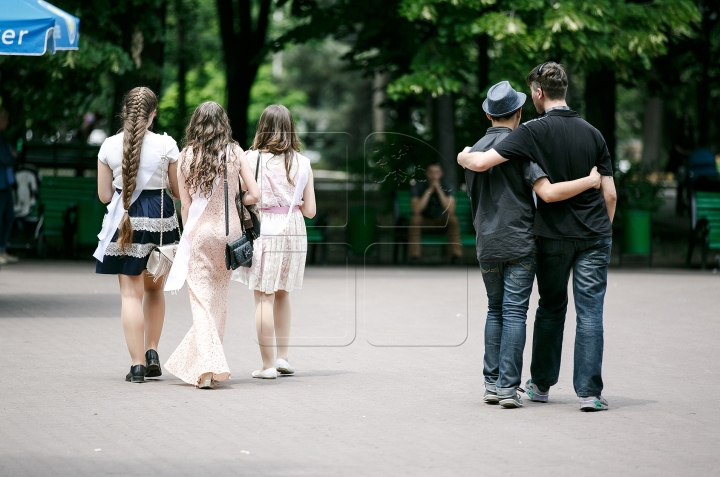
{"x":567,"y":147}
{"x":502,"y":204}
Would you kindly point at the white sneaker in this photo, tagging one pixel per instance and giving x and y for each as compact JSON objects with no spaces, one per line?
{"x":284,"y":367}
{"x":7,"y":258}
{"x":270,"y":373}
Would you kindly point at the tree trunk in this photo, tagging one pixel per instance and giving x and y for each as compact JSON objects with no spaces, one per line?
{"x":600,"y":104}
{"x":446,"y":138}
{"x":483,"y":64}
{"x":244,"y":48}
{"x":380,"y":82}
{"x":181,"y":114}
{"x":652,"y":135}
{"x":148,"y":71}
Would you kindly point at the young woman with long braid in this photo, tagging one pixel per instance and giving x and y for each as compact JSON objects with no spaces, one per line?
{"x":133,"y":165}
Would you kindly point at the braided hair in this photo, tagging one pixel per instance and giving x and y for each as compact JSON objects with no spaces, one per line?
{"x":137,"y":106}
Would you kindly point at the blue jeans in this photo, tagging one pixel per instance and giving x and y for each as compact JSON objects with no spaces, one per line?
{"x":588,"y":260}
{"x":508,"y":286}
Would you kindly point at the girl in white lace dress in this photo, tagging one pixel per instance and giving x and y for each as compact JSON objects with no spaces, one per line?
{"x":286,"y":195}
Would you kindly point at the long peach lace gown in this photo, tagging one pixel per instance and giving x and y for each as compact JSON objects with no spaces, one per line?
{"x":201,"y":350}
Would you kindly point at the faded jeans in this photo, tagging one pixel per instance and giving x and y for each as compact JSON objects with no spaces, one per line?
{"x":508,"y":286}
{"x":588,"y":260}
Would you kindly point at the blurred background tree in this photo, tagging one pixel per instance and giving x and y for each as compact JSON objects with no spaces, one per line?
{"x":642,"y":72}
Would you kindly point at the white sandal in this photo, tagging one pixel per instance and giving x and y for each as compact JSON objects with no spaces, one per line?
{"x":206,"y":381}
{"x":270,"y":373}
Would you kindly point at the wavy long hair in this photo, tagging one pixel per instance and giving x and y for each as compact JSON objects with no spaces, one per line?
{"x":137,"y":105}
{"x":276,"y":134}
{"x":206,"y":137}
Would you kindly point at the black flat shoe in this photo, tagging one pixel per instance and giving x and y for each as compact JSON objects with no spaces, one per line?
{"x":136,"y":374}
{"x":153,"y":364}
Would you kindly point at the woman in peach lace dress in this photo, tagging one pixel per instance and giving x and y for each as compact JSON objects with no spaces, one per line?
{"x":200,"y":359}
{"x":287,"y":194}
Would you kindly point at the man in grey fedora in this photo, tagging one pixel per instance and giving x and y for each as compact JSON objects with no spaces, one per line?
{"x":503,"y":212}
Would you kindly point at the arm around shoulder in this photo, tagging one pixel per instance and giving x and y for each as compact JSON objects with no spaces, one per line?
{"x":479,"y":161}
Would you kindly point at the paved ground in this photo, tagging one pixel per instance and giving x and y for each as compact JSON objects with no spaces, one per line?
{"x":389,"y":382}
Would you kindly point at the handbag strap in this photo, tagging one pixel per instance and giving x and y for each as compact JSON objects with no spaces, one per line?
{"x":225,"y":187}
{"x":163,"y":158}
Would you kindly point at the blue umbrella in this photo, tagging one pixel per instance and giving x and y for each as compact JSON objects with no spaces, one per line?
{"x":32,"y":27}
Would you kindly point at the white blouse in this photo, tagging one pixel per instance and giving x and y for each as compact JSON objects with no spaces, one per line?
{"x":111,"y":153}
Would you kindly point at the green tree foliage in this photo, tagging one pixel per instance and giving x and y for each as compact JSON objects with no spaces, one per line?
{"x":121,"y":46}
{"x":625,"y":35}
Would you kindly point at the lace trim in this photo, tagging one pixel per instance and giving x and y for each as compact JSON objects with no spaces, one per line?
{"x":148,"y":224}
{"x":137,"y":250}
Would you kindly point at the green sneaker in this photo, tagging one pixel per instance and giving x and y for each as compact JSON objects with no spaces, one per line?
{"x":592,"y":403}
{"x":534,"y":393}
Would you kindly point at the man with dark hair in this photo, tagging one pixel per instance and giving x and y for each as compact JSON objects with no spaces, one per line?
{"x":573,"y":235}
{"x":503,"y":210}
{"x":7,"y":179}
{"x":433,"y":206}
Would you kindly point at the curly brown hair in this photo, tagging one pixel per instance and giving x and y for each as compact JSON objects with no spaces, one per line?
{"x":206,"y":138}
{"x":276,"y":134}
{"x":137,"y":105}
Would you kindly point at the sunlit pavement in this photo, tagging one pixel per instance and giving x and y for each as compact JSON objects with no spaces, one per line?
{"x":389,"y":382}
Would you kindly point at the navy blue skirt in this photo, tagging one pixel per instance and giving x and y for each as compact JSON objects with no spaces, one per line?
{"x":146,"y":223}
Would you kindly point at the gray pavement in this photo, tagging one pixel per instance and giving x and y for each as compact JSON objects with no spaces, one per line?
{"x":389,"y":382}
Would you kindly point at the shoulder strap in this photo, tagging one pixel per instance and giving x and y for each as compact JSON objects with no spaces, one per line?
{"x":257,"y":166}
{"x":163,"y":174}
{"x":225,"y":186}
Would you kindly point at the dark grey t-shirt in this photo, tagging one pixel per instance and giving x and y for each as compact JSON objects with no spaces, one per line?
{"x":502,"y":204}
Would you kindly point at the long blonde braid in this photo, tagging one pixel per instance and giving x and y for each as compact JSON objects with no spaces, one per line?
{"x":137,"y":106}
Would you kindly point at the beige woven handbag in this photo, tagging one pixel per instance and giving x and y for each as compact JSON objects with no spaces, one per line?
{"x":162,"y":256}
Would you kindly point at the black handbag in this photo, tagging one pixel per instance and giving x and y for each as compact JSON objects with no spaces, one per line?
{"x":238,"y":253}
{"x":248,"y":213}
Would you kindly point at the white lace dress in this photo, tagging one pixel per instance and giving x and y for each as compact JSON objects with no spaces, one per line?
{"x":278,"y":261}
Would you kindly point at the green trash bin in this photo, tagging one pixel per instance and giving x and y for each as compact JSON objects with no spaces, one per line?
{"x":637,"y":232}
{"x":361,"y":228}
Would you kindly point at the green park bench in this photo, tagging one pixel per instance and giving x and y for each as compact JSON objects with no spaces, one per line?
{"x":705,"y":216}
{"x":72,"y":212}
{"x":80,"y":157}
{"x":403,"y":213}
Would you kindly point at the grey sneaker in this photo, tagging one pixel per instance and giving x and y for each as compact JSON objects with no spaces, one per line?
{"x":534,"y":393}
{"x":491,"y":397}
{"x":511,"y":402}
{"x":593,"y":403}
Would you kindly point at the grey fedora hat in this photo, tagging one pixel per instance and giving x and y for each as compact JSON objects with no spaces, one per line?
{"x":502,"y":99}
